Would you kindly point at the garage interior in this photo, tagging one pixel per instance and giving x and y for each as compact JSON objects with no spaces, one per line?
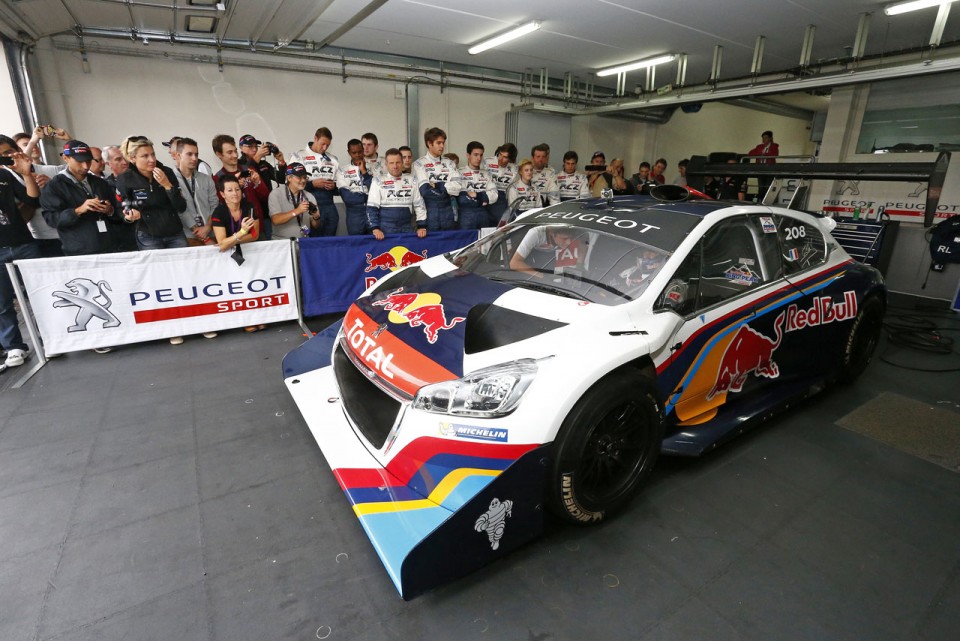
{"x":160,"y":492}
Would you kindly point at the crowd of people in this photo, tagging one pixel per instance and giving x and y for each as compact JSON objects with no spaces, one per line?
{"x":123,"y":198}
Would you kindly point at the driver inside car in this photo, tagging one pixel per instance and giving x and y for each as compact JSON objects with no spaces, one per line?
{"x":547,"y":249}
{"x":648,"y":264}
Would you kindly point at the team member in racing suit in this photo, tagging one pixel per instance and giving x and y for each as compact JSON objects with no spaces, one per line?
{"x":353,"y":181}
{"x":438,"y":181}
{"x":322,"y":172}
{"x":503,"y":171}
{"x":477,"y":191}
{"x":392,"y":195}
{"x":544,"y":176}
{"x":522,"y":194}
{"x":571,"y":183}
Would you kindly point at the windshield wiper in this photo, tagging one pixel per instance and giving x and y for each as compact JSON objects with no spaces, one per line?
{"x":550,"y":289}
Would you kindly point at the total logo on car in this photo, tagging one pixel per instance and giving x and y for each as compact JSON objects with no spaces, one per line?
{"x":552,"y":362}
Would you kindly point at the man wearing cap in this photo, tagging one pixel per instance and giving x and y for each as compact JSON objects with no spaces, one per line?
{"x":79,"y":205}
{"x":353,"y":181}
{"x":293,"y":209}
{"x":322,"y":170}
{"x":393,"y":195}
{"x":254,"y":152}
{"x":199,"y":191}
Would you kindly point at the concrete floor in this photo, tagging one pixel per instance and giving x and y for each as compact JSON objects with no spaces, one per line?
{"x":168,"y":493}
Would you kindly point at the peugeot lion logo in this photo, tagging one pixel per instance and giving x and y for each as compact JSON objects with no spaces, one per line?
{"x":91,"y":302}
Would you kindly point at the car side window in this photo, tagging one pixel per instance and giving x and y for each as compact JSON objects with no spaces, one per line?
{"x":732,"y":262}
{"x":683,"y":289}
{"x":802,"y":244}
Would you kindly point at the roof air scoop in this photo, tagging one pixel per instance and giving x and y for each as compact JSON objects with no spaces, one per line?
{"x":669,"y":193}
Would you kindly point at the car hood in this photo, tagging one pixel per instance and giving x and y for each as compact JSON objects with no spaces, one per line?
{"x":416,"y":330}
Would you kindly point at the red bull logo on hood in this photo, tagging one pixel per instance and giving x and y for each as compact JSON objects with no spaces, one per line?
{"x":418,"y":310}
{"x":393,"y":259}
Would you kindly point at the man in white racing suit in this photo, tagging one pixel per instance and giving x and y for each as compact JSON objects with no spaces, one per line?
{"x":392,"y":196}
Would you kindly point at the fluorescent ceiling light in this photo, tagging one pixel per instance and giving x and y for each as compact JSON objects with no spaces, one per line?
{"x":913,"y":5}
{"x":513,"y":34}
{"x":642,"y":64}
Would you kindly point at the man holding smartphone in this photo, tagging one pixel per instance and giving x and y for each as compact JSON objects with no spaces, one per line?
{"x":79,"y":205}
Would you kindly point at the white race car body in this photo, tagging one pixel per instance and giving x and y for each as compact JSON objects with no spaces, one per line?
{"x":438,"y":398}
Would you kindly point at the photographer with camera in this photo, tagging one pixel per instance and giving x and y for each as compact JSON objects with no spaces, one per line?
{"x":79,"y":205}
{"x":151,"y":197}
{"x":293,"y":210}
{"x":234,"y":223}
{"x":255,"y":189}
{"x":254,"y":154}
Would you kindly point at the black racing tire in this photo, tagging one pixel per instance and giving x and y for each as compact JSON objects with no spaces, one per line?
{"x":862,"y":340}
{"x":605,"y":449}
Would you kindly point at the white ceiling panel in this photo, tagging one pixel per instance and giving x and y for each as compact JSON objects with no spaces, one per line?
{"x":579,"y":36}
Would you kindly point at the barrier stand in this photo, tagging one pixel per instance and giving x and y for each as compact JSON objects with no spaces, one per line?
{"x":295,"y":257}
{"x":32,"y":328}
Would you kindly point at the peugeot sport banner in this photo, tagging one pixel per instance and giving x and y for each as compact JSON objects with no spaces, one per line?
{"x":81,"y":302}
{"x":336,"y":270}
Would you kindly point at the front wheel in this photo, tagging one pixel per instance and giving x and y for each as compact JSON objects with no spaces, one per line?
{"x":605,"y":449}
{"x":862,"y":340}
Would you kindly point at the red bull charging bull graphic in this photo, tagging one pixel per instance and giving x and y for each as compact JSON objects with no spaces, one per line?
{"x":419,"y":310}
{"x":393,"y":259}
{"x":750,"y":352}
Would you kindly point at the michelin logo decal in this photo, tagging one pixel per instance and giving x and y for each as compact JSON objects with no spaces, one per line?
{"x":475,"y":433}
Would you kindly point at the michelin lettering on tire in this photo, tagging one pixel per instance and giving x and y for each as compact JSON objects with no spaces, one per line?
{"x":573,"y":506}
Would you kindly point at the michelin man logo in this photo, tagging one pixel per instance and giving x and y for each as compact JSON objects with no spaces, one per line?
{"x":494,"y":520}
{"x":91,"y":302}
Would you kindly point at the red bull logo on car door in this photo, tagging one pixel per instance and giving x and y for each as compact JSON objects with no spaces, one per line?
{"x":741,"y":352}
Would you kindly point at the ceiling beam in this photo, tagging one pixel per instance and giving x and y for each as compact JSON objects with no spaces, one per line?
{"x":351,"y":23}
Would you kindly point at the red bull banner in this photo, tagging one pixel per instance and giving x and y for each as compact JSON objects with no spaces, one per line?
{"x":82,"y":302}
{"x":336,"y":270}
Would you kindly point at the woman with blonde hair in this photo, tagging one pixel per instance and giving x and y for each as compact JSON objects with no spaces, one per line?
{"x":522,"y":194}
{"x":150,"y":197}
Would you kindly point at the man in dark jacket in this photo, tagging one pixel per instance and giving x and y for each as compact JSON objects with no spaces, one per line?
{"x":79,"y":205}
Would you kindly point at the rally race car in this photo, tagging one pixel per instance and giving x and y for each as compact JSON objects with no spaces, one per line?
{"x":546,"y":366}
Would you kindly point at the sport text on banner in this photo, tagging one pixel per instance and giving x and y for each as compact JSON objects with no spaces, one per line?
{"x":81,"y":302}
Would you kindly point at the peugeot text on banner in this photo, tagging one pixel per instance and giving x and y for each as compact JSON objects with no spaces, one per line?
{"x":81,"y":302}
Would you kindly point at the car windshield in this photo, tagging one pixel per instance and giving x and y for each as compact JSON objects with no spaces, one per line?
{"x":565,"y":260}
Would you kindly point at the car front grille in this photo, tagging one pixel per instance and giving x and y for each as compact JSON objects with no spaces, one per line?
{"x":372,"y":410}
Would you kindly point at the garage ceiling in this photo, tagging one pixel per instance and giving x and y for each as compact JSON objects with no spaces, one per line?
{"x":577,"y":36}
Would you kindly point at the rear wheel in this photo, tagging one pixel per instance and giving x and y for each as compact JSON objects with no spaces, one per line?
{"x":605,"y":449}
{"x":862,"y":340}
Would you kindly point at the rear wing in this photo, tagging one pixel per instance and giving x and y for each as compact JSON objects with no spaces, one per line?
{"x":933,"y":173}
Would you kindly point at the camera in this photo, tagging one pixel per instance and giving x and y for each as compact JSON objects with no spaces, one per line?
{"x":127,"y":206}
{"x":272,"y":148}
{"x":49,"y":130}
{"x":6,"y":160}
{"x":312,"y":208}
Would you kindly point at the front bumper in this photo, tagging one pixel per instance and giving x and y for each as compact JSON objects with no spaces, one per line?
{"x":441,"y":506}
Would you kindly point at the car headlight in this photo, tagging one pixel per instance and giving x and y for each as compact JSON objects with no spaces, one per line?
{"x":489,"y":392}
